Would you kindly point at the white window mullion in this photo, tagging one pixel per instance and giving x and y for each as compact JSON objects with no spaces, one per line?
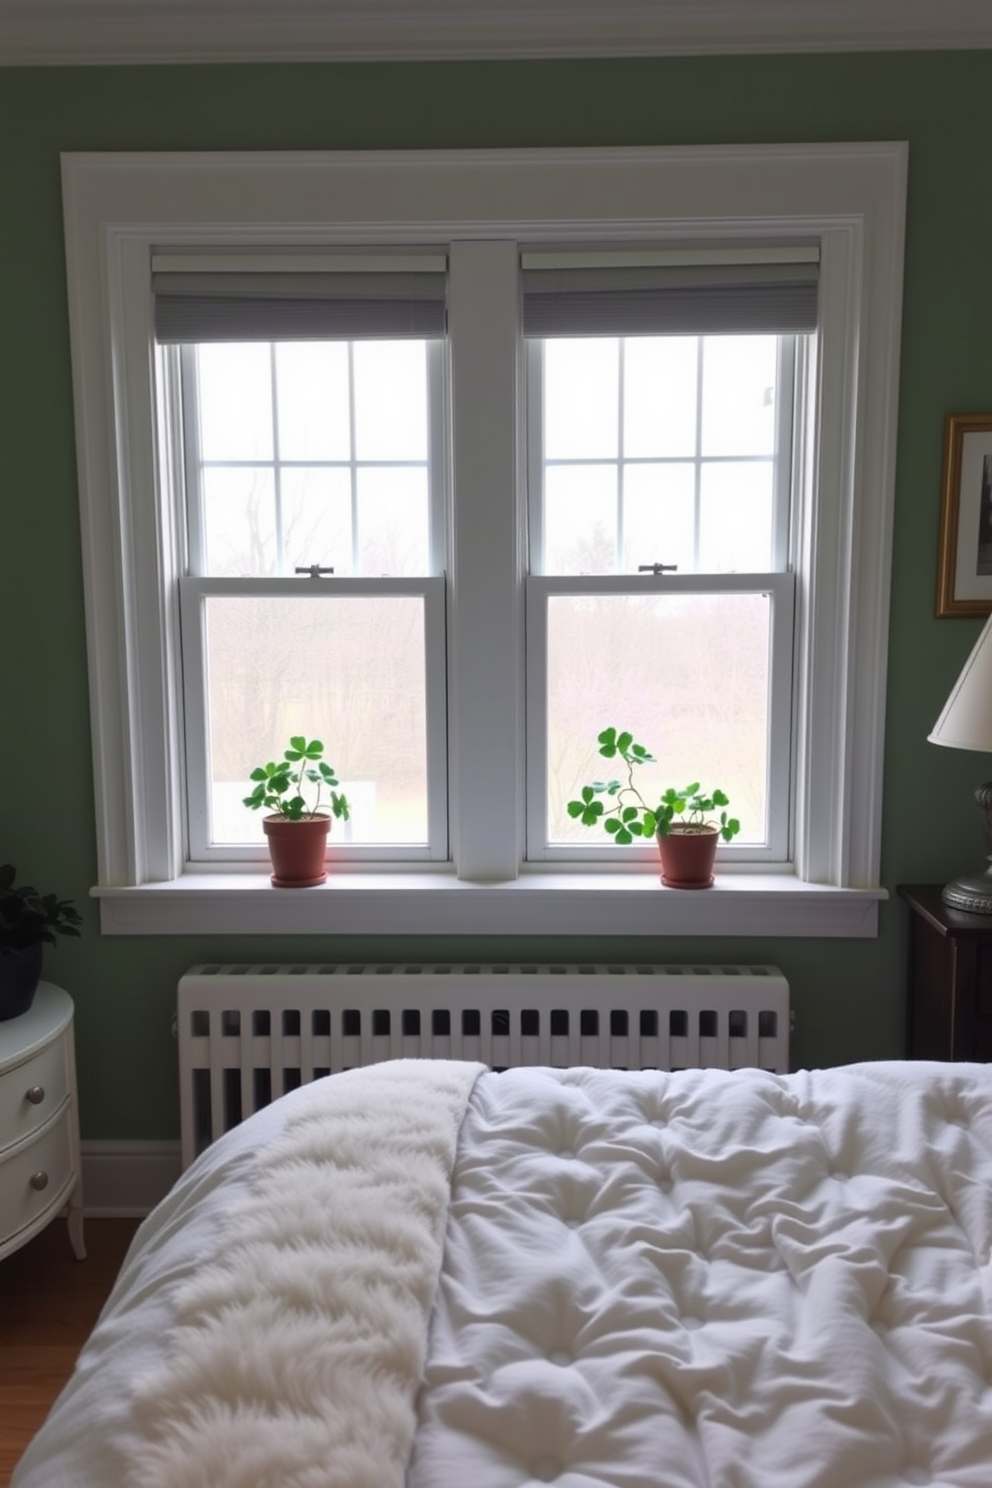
{"x":486,"y":600}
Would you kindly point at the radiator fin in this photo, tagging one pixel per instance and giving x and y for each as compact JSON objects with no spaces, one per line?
{"x":248,"y":1034}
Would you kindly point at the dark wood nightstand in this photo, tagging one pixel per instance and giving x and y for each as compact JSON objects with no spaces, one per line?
{"x":950,"y":978}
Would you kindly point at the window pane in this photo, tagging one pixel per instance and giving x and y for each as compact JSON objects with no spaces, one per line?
{"x":659,"y":516}
{"x":390,"y":400}
{"x":239,"y":520}
{"x":235,"y":401}
{"x":393,"y":521}
{"x":316,"y":518}
{"x":688,"y":674}
{"x":580,"y":519}
{"x":312,"y":397}
{"x":295,"y":499}
{"x":348,"y":671}
{"x":659,"y":403}
{"x":581,"y":389}
{"x":682,"y":402}
{"x":739,"y":376}
{"x":735,"y":519}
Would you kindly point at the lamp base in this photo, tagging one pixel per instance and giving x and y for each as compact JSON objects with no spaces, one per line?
{"x":972,"y":893}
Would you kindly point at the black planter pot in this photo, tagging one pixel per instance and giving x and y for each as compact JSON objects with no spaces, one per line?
{"x":20,"y":973}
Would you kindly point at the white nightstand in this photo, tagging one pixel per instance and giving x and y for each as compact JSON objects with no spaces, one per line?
{"x":39,"y":1122}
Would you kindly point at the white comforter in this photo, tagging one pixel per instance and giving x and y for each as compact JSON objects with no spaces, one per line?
{"x":656,"y":1281}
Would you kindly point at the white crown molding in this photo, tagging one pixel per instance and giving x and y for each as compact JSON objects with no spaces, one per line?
{"x":58,"y":32}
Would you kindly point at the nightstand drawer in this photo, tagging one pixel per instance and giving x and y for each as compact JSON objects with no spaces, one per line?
{"x":31,"y":1093}
{"x":34,"y":1177}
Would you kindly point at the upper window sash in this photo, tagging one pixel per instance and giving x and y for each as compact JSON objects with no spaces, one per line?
{"x":178,"y":366}
{"x":792,"y":391}
{"x":194,"y":593}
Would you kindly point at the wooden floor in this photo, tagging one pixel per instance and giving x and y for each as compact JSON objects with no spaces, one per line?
{"x":49,"y":1302}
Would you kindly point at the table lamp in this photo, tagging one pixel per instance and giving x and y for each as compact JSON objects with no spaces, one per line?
{"x":966,"y":723}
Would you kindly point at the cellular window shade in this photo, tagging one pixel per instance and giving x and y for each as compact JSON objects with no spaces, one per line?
{"x":567,"y":295}
{"x":204,"y":298}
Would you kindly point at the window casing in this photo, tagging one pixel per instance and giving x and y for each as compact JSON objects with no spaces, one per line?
{"x":850,"y":198}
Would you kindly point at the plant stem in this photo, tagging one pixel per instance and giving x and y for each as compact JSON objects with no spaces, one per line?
{"x":629,"y":789}
{"x":299,"y":783}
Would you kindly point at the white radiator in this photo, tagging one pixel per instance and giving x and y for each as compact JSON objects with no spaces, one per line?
{"x":247,"y":1034}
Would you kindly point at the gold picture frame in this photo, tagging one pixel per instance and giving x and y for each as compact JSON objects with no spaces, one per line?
{"x":964,"y":569}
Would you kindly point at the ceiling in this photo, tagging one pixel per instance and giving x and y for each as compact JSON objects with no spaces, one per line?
{"x":107,"y":31}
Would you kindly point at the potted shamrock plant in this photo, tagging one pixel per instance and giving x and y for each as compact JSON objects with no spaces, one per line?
{"x":28,"y":920}
{"x":687,"y":823}
{"x":295,"y":827}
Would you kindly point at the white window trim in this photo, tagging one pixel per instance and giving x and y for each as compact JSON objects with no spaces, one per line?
{"x":849,"y":198}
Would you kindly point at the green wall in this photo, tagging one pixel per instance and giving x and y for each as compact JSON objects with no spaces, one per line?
{"x":849,"y":995}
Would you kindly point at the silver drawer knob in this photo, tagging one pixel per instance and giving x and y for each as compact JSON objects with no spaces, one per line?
{"x":36,"y":1094}
{"x":38,"y":1181}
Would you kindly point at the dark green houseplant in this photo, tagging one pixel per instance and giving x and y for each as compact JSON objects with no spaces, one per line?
{"x":28,"y":921}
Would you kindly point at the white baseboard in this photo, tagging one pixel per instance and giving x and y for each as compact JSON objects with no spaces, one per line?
{"x":127,"y":1179}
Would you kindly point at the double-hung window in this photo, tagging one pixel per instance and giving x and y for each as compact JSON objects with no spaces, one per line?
{"x":455,"y":459}
{"x":307,"y":419}
{"x":666,"y":395}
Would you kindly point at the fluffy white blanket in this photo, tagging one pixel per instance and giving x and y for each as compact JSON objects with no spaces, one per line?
{"x":297,"y":1353}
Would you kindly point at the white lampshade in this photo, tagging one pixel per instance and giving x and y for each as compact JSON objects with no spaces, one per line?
{"x":966,"y":722}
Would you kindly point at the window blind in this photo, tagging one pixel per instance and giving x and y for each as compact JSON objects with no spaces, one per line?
{"x":767,"y":290}
{"x":298,"y":297}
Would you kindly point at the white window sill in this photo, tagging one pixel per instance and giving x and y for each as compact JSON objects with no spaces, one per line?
{"x":537,"y":903}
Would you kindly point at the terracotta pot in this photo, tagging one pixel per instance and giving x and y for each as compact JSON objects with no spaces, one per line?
{"x":20,"y":973}
{"x":687,"y":857}
{"x":298,"y":850}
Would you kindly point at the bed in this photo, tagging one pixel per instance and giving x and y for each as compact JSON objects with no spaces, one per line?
{"x":424,"y":1273}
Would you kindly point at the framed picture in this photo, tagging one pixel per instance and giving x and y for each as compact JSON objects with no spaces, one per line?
{"x":964,"y":575}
